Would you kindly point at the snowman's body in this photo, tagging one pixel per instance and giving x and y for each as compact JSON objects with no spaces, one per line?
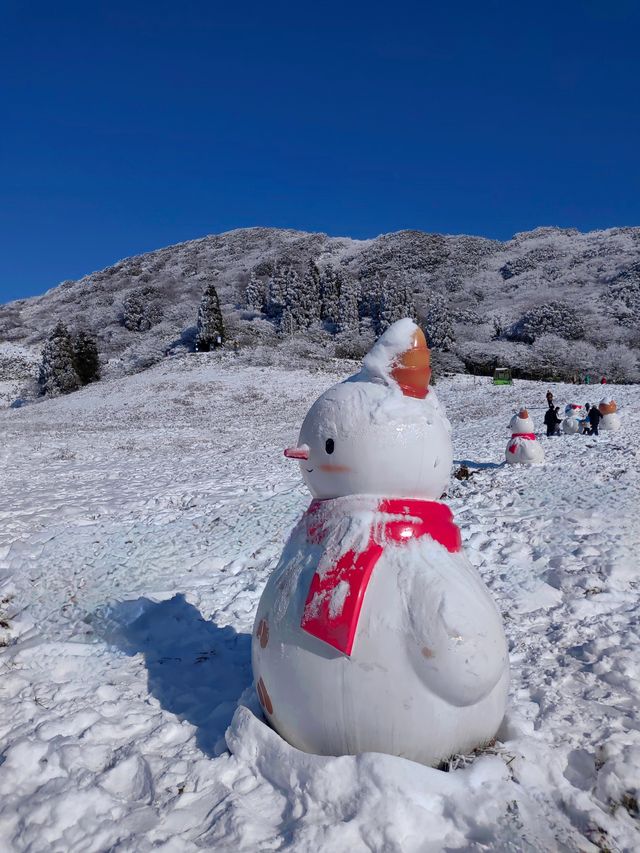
{"x":610,"y":419}
{"x":610,"y":422}
{"x":374,"y":632}
{"x":574,"y":413}
{"x":523,"y":447}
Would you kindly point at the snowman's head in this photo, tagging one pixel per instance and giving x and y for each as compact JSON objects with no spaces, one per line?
{"x":382,"y":431}
{"x":607,"y":406}
{"x":521,"y":421}
{"x":574,"y":410}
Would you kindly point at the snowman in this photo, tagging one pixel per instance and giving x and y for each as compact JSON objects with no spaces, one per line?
{"x":374,"y":632}
{"x":523,"y":446}
{"x":610,"y":418}
{"x":573,"y":414}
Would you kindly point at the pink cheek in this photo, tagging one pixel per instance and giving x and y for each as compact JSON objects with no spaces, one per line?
{"x":335,"y":469}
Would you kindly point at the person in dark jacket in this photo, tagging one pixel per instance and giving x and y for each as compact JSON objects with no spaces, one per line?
{"x":594,"y":419}
{"x":550,"y":399}
{"x":551,"y":420}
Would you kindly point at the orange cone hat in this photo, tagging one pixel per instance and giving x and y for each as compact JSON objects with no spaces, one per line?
{"x":412,"y":368}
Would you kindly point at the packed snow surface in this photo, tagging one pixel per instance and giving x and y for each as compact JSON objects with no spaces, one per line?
{"x":140,"y":519}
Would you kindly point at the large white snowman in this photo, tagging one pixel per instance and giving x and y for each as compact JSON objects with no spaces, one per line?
{"x":374,"y":632}
{"x":523,"y":447}
{"x":573,"y":414}
{"x":610,"y":419}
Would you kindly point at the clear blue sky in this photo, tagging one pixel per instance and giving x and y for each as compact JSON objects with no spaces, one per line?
{"x":127,"y":126}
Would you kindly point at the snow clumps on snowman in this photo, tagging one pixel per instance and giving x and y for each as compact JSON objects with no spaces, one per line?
{"x":374,"y":632}
{"x":523,"y":447}
{"x":610,"y":418}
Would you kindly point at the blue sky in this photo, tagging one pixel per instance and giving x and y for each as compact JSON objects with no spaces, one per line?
{"x":132,"y":125}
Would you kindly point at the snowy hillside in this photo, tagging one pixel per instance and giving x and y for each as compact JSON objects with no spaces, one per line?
{"x":140,"y":520}
{"x":546,"y":300}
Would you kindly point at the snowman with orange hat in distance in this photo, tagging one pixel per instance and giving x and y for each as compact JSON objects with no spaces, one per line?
{"x":523,"y":447}
{"x":374,"y":632}
{"x":610,"y":419}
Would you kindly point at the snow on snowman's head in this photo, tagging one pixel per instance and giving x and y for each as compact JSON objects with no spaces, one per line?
{"x":382,"y":431}
{"x":521,"y":421}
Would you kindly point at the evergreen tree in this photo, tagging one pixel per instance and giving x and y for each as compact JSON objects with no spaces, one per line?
{"x":141,"y":310}
{"x":85,"y":358}
{"x":310,"y":293}
{"x":348,"y":313}
{"x":330,"y":282}
{"x":256,"y":293}
{"x":210,"y":330}
{"x":372,"y":300}
{"x":294,"y":315}
{"x":438,"y":326}
{"x":57,"y":373}
{"x":276,"y":291}
{"x":396,"y":302}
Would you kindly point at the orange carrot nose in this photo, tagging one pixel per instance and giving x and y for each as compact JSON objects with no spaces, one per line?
{"x":412,"y":369}
{"x":301,"y":452}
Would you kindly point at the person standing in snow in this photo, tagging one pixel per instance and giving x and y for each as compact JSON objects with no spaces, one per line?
{"x":594,"y":419}
{"x":549,"y":400}
{"x":558,"y":419}
{"x":551,"y":420}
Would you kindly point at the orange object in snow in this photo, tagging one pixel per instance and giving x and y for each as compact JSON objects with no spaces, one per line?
{"x":608,"y":408}
{"x":412,"y":369}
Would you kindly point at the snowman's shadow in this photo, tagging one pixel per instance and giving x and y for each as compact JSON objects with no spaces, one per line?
{"x":195,"y":669}
{"x":480,"y":466}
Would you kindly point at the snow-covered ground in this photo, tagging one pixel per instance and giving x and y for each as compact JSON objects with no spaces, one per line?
{"x":139,"y":520}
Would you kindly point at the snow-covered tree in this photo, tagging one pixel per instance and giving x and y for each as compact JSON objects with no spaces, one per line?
{"x":210,"y":329}
{"x":330,"y":282}
{"x":310,"y":293}
{"x":348,"y":313}
{"x":435,"y":317}
{"x":371,"y":297}
{"x":551,"y":354}
{"x":256,"y":293}
{"x":582,"y":358}
{"x":85,"y":358}
{"x":551,"y":318}
{"x":619,"y":364}
{"x":57,"y":374}
{"x":396,"y":302}
{"x":141,"y":309}
{"x":294,"y":315}
{"x":277,"y":287}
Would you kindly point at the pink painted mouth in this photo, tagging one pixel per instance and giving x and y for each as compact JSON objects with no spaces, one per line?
{"x":301,"y":452}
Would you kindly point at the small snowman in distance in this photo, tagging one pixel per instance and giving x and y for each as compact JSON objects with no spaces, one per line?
{"x":374,"y":632}
{"x":610,"y":418}
{"x":523,"y":446}
{"x":573,"y":414}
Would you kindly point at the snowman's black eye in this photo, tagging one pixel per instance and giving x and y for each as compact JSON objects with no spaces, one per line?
{"x":329,"y":445}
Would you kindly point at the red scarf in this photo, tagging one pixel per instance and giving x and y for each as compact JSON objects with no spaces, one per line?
{"x":334,"y":601}
{"x":530,"y":436}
